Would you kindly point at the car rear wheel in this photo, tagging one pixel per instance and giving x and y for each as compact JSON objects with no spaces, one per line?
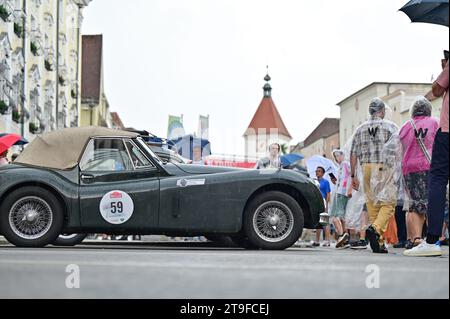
{"x":69,"y":240}
{"x":273,"y":221}
{"x":31,"y":217}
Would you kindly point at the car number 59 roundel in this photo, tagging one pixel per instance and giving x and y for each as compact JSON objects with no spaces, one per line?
{"x":116,"y":207}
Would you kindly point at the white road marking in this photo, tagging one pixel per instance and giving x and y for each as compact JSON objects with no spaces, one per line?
{"x":216,"y":266}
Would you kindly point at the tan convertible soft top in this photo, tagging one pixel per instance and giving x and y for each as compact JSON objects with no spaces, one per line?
{"x":62,"y":149}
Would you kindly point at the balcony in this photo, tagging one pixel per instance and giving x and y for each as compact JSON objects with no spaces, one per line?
{"x":35,"y":48}
{"x":4,"y":108}
{"x":33,"y":128}
{"x":7,"y":89}
{"x":36,"y":41}
{"x":62,"y":75}
{"x":36,"y":33}
{"x":18,"y":29}
{"x":4,"y":68}
{"x":74,"y":89}
{"x":19,"y":117}
{"x":4,"y":13}
{"x":16,"y":116}
{"x":49,"y":56}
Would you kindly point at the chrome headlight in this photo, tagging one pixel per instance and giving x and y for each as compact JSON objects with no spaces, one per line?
{"x":315,"y":182}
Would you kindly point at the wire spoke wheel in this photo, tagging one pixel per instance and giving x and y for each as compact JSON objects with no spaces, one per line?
{"x":30,"y":217}
{"x":273,"y":221}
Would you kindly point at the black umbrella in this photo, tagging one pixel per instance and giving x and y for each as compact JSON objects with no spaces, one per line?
{"x":427,"y":11}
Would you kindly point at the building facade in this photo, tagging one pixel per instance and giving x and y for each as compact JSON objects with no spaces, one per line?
{"x":266,"y":127}
{"x":40,"y":53}
{"x":399,"y":97}
{"x":116,"y":121}
{"x":322,"y":141}
{"x":94,"y":104}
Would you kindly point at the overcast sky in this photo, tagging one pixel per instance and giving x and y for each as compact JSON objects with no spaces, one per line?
{"x":197,"y":57}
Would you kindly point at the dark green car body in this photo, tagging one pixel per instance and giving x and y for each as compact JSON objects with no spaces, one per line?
{"x":164,"y":202}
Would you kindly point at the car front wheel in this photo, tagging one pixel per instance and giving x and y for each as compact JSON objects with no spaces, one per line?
{"x":273,"y":221}
{"x":31,"y":217}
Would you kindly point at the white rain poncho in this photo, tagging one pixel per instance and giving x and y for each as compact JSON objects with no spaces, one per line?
{"x":379,"y":146}
{"x":386,"y":183}
{"x":343,"y":182}
{"x":418,"y":148}
{"x":354,"y":213}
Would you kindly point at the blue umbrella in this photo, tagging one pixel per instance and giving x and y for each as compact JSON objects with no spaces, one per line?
{"x":289,"y":159}
{"x":186,"y":144}
{"x":22,"y":140}
{"x":427,"y":11}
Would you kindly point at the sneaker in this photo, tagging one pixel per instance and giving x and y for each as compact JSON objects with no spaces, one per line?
{"x":424,"y":250}
{"x":326,"y":244}
{"x":400,"y":244}
{"x":382,"y":250}
{"x":309,"y":244}
{"x":409,"y":244}
{"x":374,"y":238}
{"x":342,"y":241}
{"x":444,"y":242}
{"x":361,"y":244}
{"x":315,"y":244}
{"x":346,"y":246}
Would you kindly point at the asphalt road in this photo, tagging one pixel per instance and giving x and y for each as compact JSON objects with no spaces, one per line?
{"x":197,"y":270}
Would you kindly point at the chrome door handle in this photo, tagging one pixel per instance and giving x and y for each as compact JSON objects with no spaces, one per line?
{"x":87,"y":178}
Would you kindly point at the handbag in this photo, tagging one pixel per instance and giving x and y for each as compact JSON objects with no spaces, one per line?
{"x":420,"y":141}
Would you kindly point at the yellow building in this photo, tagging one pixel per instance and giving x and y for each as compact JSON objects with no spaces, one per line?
{"x":41,"y":49}
{"x":94,"y":104}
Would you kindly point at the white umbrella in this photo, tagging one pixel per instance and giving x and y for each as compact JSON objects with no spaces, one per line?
{"x":313,"y":162}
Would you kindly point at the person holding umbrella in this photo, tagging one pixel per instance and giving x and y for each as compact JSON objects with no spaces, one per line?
{"x":439,"y":175}
{"x":435,"y":12}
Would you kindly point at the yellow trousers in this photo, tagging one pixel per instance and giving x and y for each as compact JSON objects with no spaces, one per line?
{"x":379,"y":212}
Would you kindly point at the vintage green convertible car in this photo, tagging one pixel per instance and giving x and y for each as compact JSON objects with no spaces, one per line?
{"x":97,"y":180}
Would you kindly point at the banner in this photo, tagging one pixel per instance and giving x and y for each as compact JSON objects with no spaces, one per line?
{"x":175,"y":128}
{"x":203,"y":127}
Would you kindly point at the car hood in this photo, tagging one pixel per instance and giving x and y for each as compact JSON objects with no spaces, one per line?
{"x":201,"y":169}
